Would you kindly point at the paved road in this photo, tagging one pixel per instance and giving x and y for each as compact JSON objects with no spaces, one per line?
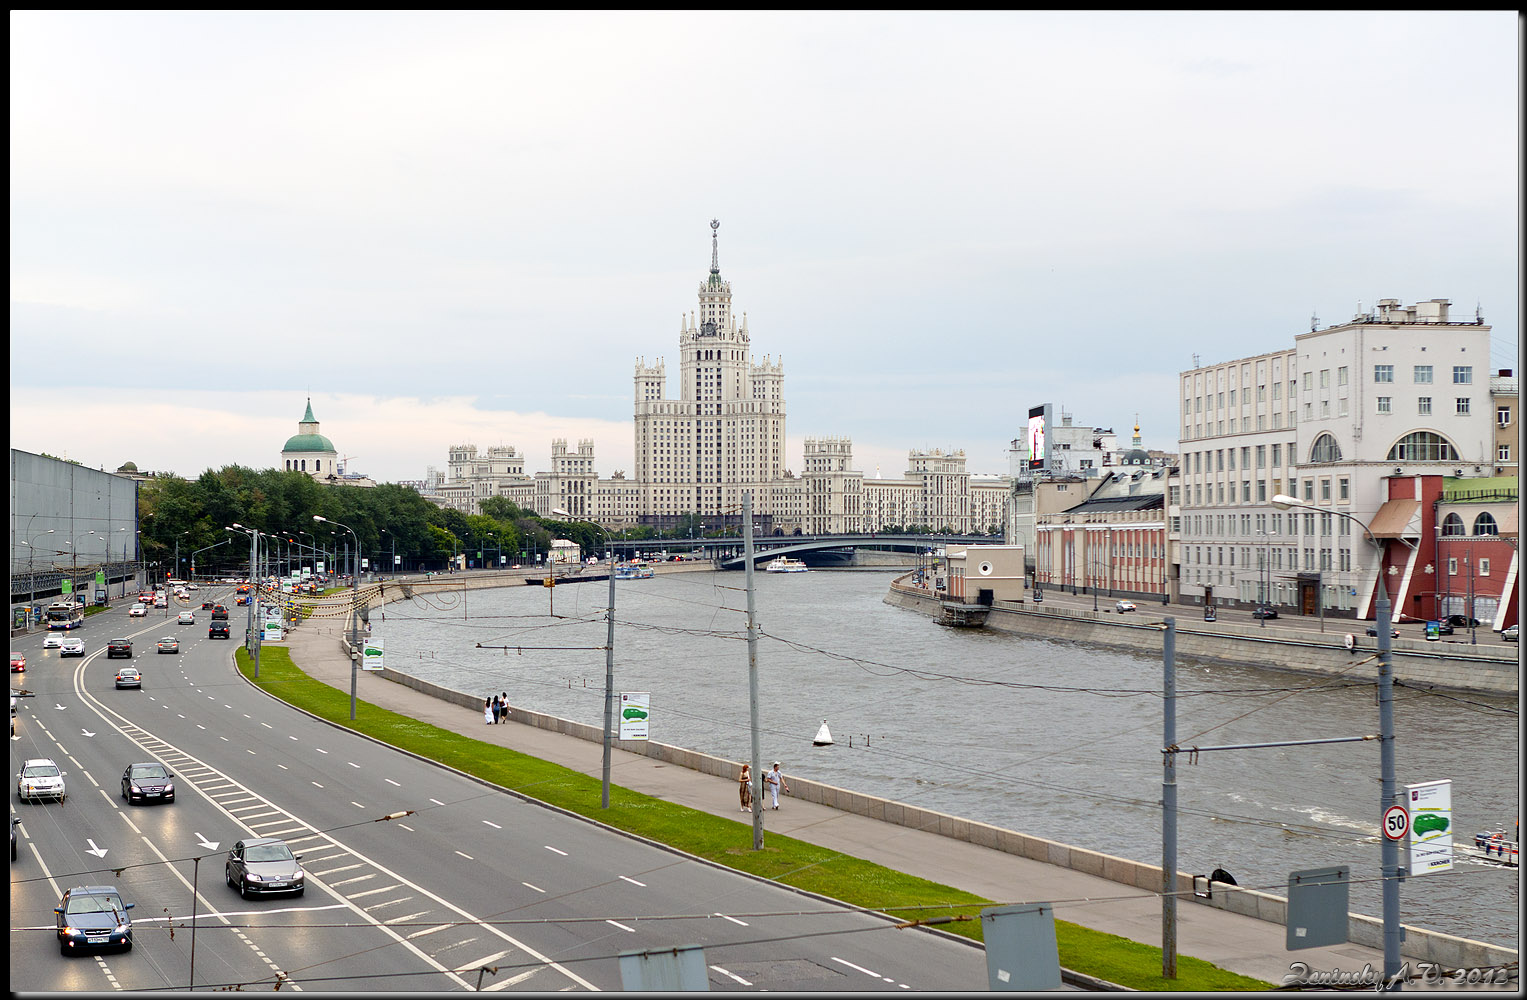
{"x":473,"y":877}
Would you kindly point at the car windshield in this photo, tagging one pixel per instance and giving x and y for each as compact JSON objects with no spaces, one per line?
{"x":268,"y":852}
{"x":41,"y":771}
{"x":148,"y":771}
{"x":92,"y":903}
{"x":128,"y":672}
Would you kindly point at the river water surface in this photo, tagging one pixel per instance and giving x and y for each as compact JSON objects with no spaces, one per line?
{"x":1049,"y":737}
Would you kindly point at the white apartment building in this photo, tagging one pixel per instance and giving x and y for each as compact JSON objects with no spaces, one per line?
{"x":1399,"y":391}
{"x":1074,"y":451}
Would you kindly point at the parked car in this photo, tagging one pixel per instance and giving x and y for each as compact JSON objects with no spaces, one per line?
{"x":187,"y":618}
{"x":148,"y":782}
{"x":52,"y":640}
{"x":72,"y":646}
{"x":93,"y":916}
{"x":18,"y":662}
{"x":138,"y":611}
{"x":1123,"y":606}
{"x":119,"y":647}
{"x":1462,"y":621}
{"x":1508,"y":634}
{"x":1264,"y":612}
{"x":1373,"y":630}
{"x":40,"y":778}
{"x":260,"y":865}
{"x":169,"y":644}
{"x":128,"y":677}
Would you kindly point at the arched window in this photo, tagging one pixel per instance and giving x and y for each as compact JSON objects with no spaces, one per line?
{"x":1452,"y":525}
{"x":1325,"y":449}
{"x":1423,"y":446}
{"x":1485,"y":524}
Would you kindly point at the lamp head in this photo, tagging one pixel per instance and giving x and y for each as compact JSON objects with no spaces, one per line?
{"x":560,"y":512}
{"x":1283,"y":501}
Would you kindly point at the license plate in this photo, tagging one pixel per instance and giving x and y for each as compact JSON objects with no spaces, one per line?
{"x":103,"y":939}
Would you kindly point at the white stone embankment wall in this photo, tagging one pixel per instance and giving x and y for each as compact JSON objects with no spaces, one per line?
{"x":1486,"y":669}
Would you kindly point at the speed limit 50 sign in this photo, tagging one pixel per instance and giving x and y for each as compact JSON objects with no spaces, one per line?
{"x":1396,"y":822}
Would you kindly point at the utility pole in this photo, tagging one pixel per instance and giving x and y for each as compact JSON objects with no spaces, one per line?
{"x":757,"y":769}
{"x":1169,"y":803}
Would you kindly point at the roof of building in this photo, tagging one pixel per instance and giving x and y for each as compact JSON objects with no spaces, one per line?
{"x":1140,"y":501}
{"x":308,"y":442}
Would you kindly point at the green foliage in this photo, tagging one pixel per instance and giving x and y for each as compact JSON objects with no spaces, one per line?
{"x":725,"y":841}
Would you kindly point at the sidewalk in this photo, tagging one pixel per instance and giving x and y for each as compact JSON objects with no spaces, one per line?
{"x":1241,"y":944}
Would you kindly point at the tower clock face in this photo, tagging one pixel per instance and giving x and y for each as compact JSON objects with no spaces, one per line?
{"x":708,"y":328}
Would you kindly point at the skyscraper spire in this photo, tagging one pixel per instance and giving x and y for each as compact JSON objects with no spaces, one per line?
{"x":715,"y":261}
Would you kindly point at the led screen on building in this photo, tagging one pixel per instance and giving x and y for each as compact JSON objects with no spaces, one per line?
{"x":1039,"y":437}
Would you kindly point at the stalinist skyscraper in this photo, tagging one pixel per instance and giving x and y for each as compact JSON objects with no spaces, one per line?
{"x":725,"y":433}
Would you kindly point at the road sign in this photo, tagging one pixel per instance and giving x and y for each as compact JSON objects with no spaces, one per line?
{"x":1396,"y":822}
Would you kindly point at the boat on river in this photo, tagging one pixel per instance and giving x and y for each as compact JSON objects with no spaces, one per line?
{"x":784,"y":564}
{"x":1494,"y":847}
{"x":633,"y":571}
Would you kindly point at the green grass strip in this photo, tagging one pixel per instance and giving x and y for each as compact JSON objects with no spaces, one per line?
{"x":726,"y":841}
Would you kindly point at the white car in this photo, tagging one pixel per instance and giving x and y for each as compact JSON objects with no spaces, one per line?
{"x":192,"y":586}
{"x":1123,"y":606}
{"x":40,"y":778}
{"x":186,"y":618}
{"x":72,"y":646}
{"x":52,"y":640}
{"x":137,"y":611}
{"x":161,"y":601}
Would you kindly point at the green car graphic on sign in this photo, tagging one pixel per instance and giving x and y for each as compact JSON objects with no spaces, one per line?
{"x":634,"y":713}
{"x":1427,"y":822}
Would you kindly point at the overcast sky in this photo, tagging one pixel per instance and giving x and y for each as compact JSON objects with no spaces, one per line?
{"x":452,"y":228}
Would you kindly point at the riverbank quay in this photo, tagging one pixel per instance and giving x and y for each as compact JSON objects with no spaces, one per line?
{"x":1294,"y":645}
{"x":1235,"y":941}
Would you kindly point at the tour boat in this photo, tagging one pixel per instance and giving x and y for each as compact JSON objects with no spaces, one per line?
{"x":633,"y":571}
{"x":784,"y":564}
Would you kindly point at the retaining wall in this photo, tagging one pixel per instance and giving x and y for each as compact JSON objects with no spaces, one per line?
{"x":1491,"y":669}
{"x":1421,"y":945}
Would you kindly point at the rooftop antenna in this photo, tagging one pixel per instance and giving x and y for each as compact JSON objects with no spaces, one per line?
{"x":1479,"y":313}
{"x":1195,"y":360}
{"x":1314,"y":321}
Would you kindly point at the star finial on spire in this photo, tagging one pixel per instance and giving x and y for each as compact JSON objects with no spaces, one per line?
{"x":715,"y":263}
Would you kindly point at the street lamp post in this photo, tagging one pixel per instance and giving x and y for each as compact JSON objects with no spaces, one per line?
{"x":74,"y":585}
{"x":1389,"y":852}
{"x":354,"y":608}
{"x":253,"y":574}
{"x":31,"y":580}
{"x":609,"y":661}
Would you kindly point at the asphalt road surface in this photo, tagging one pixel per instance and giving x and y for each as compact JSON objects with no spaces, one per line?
{"x":471,"y":879}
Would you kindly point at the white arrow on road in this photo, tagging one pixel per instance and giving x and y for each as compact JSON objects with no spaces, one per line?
{"x":210,"y":845}
{"x":87,"y":732}
{"x":59,"y":707}
{"x":99,"y":852}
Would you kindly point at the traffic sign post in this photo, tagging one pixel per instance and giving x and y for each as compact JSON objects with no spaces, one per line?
{"x":1396,"y":823}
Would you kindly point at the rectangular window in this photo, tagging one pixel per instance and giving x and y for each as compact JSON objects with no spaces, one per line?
{"x":1463,"y":374}
{"x":1383,"y":373}
{"x":1261,"y":490}
{"x":1219,"y":459}
{"x":1277,"y":455}
{"x":1309,"y":523}
{"x":1261,"y":393}
{"x":1309,"y":491}
{"x":1423,"y":374}
{"x":1344,"y":489}
{"x":1231,"y":459}
{"x":1325,"y":408}
{"x":1384,"y":404}
{"x":1503,"y":453}
{"x":1424,"y":405}
{"x":1452,"y":567}
{"x":1309,"y":410}
{"x":1261,"y":456}
{"x":1309,"y":381}
{"x":1277,"y":391}
{"x":1325,"y":490}
{"x":1232,"y":397}
{"x":1484,"y":567}
{"x":1277,"y":524}
{"x":1462,"y":404}
{"x":1341,"y":375}
{"x":1503,"y":416}
{"x":1325,"y":378}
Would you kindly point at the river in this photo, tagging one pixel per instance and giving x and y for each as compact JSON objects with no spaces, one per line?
{"x":1050,"y":737}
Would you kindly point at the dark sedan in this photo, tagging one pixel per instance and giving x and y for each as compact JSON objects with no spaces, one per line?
{"x":1462,"y":621}
{"x":1265,"y":613}
{"x":119,"y":647}
{"x":261,"y":865}
{"x":93,"y":916}
{"x":150,"y":782}
{"x":1373,"y":631}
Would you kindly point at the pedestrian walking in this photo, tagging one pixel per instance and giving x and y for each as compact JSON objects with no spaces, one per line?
{"x":487,"y":711}
{"x":775,"y":779}
{"x":745,"y":788}
{"x":503,"y":706}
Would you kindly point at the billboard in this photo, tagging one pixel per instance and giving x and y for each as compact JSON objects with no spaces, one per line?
{"x":1038,"y":437}
{"x":372,"y":653}
{"x":634,"y":708}
{"x":1431,"y":826}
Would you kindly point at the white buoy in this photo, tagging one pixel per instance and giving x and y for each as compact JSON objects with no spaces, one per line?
{"x":823,"y":737}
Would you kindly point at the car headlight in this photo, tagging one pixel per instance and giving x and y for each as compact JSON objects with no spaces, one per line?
{"x":251,"y":876}
{"x":299,"y":873}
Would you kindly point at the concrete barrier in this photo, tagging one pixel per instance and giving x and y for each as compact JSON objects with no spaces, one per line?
{"x":1420,"y":945}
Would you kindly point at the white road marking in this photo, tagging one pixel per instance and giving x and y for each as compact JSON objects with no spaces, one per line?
{"x":858,"y":968}
{"x":373,"y":892}
{"x":634,"y":882}
{"x":467,"y":856}
{"x":729,"y":975}
{"x":493,"y":824}
{"x":616,"y":923}
{"x":429,"y":930}
{"x":534,"y":887}
{"x":391,"y":782}
{"x":739,"y":923}
{"x":554,"y":850}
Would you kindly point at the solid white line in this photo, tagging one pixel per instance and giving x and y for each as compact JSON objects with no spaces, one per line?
{"x":634,"y":882}
{"x":356,"y":804}
{"x":492,"y":824}
{"x":535,"y":887}
{"x":734,"y":920}
{"x":554,"y":850}
{"x":467,"y":856}
{"x":391,"y":782}
{"x":615,"y":923}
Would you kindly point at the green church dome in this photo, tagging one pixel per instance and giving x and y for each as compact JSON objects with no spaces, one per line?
{"x":308,"y":442}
